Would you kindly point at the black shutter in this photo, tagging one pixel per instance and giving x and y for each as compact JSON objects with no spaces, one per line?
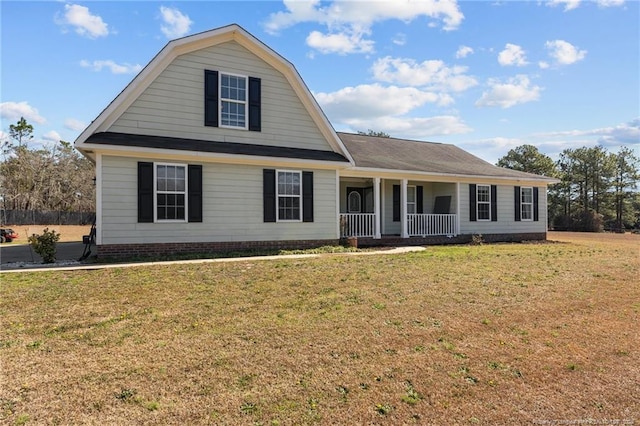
{"x":145,"y":192}
{"x":472,"y":203}
{"x":396,"y":203}
{"x":516,"y":203}
{"x":269,"y":195}
{"x":535,"y":205}
{"x":255,"y":96}
{"x":211,"y":98}
{"x":419,"y":199}
{"x":195,"y":193}
{"x":307,"y":196}
{"x":494,"y":203}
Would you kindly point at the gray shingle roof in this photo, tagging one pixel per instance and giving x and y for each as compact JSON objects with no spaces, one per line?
{"x":438,"y":158}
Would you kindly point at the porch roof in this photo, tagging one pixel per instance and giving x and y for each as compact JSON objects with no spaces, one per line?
{"x":430,"y":157}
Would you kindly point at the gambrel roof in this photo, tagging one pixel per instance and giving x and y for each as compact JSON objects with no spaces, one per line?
{"x":203,"y":40}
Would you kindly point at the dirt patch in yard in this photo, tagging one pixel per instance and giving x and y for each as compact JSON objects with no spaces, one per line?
{"x":68,"y":233}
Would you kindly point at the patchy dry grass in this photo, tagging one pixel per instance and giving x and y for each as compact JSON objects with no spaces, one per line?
{"x":491,"y":334}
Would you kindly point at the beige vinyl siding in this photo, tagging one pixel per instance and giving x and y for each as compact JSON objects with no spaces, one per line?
{"x":173,"y":104}
{"x":232,"y":207}
{"x":506,"y":223}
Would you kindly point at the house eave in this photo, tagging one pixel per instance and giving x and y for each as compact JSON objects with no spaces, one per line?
{"x":211,"y":157}
{"x":368,"y":172}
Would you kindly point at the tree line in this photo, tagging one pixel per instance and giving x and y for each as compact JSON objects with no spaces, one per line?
{"x":52,"y":177}
{"x":597,"y":190}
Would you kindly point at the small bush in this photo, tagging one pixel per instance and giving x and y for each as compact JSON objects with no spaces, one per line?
{"x":45,"y":244}
{"x":477,"y":240}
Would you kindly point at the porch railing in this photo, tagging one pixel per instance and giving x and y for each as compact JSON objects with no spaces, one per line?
{"x":357,"y":224}
{"x":424,"y":225}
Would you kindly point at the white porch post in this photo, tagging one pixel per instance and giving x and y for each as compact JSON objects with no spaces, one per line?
{"x":457,"y":208}
{"x":98,"y":199}
{"x":338,"y":230}
{"x":376,"y":207}
{"x":404,"y":232}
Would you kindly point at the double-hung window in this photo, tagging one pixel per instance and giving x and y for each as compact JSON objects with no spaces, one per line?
{"x":233,"y":101}
{"x":171,"y":192}
{"x":289,"y":195}
{"x":526,"y":203}
{"x":483,"y":202}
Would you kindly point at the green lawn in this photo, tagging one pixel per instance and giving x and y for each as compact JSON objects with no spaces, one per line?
{"x":491,"y":334}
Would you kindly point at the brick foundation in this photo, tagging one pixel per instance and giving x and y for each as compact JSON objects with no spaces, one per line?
{"x":441,"y":240}
{"x":128,"y":251}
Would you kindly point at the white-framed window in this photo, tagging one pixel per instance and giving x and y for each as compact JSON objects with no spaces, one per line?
{"x":289,"y":195}
{"x":411,"y":199}
{"x":483,"y":202}
{"x":526,"y":203}
{"x":354,"y":202}
{"x":170,"y":192}
{"x":233,"y":101}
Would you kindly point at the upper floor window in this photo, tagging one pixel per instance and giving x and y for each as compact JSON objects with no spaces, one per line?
{"x":483,"y":202}
{"x":526,"y":203}
{"x":233,"y":101}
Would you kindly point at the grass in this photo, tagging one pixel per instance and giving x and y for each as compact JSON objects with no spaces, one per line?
{"x":487,"y":334}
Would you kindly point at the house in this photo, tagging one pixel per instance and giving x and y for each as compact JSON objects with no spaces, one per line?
{"x":218,"y":144}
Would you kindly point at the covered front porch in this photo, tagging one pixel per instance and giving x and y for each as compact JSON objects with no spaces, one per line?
{"x":381,"y":207}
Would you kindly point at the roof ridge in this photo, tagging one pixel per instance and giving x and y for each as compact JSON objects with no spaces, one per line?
{"x":396,"y":138}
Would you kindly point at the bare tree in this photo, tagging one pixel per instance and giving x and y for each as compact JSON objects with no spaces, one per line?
{"x":55,"y":177}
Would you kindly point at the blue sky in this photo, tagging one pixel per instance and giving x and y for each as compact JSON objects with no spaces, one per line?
{"x":486,"y":76}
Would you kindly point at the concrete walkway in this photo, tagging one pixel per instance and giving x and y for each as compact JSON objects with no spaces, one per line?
{"x":68,"y":253}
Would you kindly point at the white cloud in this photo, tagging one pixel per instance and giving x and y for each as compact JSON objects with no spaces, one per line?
{"x":85,"y":23}
{"x":568,"y":4}
{"x":111,"y":66}
{"x":341,"y":43}
{"x":74,"y":124}
{"x":610,"y":3}
{"x":514,"y":91}
{"x":564,"y":53}
{"x":348,"y":20}
{"x":512,"y":55}
{"x":52,"y":136}
{"x":176,"y":24}
{"x":412,"y":128}
{"x":400,"y":39}
{"x":434,"y":74}
{"x":543,"y":65}
{"x":12,"y":111}
{"x":463,"y":52}
{"x":622,"y":134}
{"x":372,"y":101}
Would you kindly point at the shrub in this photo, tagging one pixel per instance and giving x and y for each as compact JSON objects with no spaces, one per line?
{"x":589,"y":221}
{"x":45,"y":244}
{"x":477,"y":240}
